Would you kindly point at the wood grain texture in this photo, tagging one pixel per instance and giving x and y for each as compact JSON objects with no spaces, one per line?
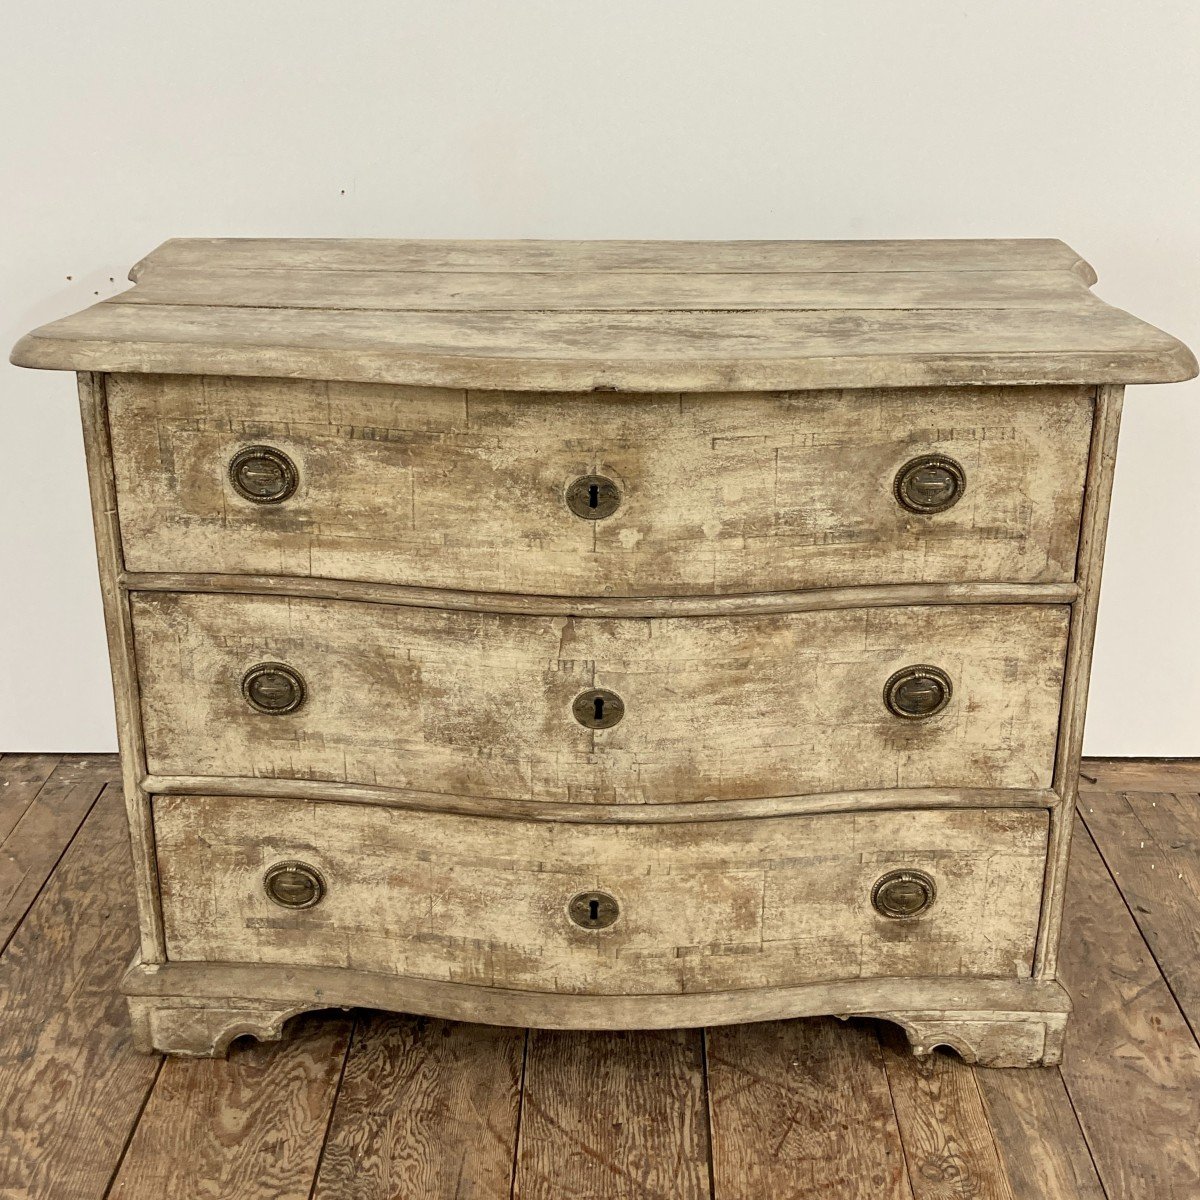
{"x":884,"y":595}
{"x":71,"y":1084}
{"x":703,"y":908}
{"x":93,"y":410}
{"x":802,"y":1109}
{"x":1037,"y":1134}
{"x":613,"y":1115}
{"x":943,"y":1127}
{"x":886,"y":799}
{"x":1126,"y":1038}
{"x":602,"y":291}
{"x":24,"y":775}
{"x":606,"y":315}
{"x":30,"y":850}
{"x":251,"y":1127}
{"x":426,"y":1110}
{"x":556,"y":257}
{"x":720,"y":494}
{"x":1093,"y":530}
{"x":1150,"y":842}
{"x":715,"y":708}
{"x":1139,"y":775}
{"x":193,"y":998}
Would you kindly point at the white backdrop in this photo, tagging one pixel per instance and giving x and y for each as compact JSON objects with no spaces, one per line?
{"x":124,"y":124}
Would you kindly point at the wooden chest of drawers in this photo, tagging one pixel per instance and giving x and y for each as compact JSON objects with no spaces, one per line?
{"x":603,"y":634}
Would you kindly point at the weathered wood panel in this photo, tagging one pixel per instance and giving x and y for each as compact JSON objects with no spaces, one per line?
{"x":1126,"y":1038}
{"x":607,"y":291}
{"x":30,"y":851}
{"x":250,"y":1128}
{"x":427,"y":1110}
{"x":71,"y":1084}
{"x":720,"y":494}
{"x":554,"y":257}
{"x":577,"y":1138}
{"x":743,"y":316}
{"x":801,"y":1109}
{"x":481,"y":704}
{"x":1151,"y":844}
{"x":733,"y":904}
{"x":943,"y":1126}
{"x":1037,"y":1135}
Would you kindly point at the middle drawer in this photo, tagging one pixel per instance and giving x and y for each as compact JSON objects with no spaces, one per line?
{"x":639,"y":710}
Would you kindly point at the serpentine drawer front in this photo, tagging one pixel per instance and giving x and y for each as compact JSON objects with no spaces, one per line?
{"x":599,"y":494}
{"x":707,"y":907}
{"x":521,"y":707}
{"x":602,"y":635}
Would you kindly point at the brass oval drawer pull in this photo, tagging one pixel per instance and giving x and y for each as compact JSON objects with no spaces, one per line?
{"x":593,"y":910}
{"x":931,"y":483}
{"x":593,"y":497}
{"x":900,"y":894}
{"x":917,"y":692}
{"x":598,"y":708}
{"x":273,"y":688}
{"x":294,"y":884}
{"x":263,"y":474}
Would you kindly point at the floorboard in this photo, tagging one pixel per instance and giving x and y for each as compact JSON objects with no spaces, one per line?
{"x":250,"y":1127}
{"x":1038,"y":1136}
{"x":427,"y":1109}
{"x":71,"y":1084}
{"x":802,"y":1109}
{"x":613,"y":1116}
{"x":1144,"y":841}
{"x":944,"y":1128}
{"x":372,"y":1106}
{"x":1132,"y":1066}
{"x":41,"y":832}
{"x":22,"y":776}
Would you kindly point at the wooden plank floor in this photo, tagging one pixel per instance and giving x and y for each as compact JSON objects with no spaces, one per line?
{"x":371,"y":1106}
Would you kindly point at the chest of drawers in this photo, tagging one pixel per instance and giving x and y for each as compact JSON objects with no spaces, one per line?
{"x":602,"y":635}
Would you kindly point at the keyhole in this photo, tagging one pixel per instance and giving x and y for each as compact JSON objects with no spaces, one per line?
{"x":593,"y":497}
{"x":593,"y":910}
{"x":598,"y":708}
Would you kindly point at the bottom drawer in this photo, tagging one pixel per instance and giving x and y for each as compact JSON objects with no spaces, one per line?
{"x":601,"y":908}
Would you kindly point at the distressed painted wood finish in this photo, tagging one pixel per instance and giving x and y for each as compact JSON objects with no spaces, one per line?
{"x":719,"y":493}
{"x":639,"y":316}
{"x":702,"y":908}
{"x":715,"y":708}
{"x":747,"y":599}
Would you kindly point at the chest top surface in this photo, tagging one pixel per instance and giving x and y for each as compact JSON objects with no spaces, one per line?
{"x":629,"y":315}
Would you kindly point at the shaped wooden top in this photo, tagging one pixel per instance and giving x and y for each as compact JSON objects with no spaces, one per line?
{"x":638,"y":316}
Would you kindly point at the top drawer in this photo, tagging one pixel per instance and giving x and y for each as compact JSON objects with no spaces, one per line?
{"x":709,"y":494}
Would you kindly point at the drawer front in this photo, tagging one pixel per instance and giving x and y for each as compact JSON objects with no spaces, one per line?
{"x":684,"y":907}
{"x":708,"y":494}
{"x":599,"y":710}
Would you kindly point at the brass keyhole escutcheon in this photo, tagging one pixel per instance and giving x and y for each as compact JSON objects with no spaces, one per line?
{"x":593,"y":497}
{"x":918,"y":692}
{"x":294,"y":884}
{"x":598,"y":708}
{"x":930,"y":484}
{"x":901,"y":894}
{"x":263,"y":474}
{"x":593,"y":910}
{"x":273,"y":688}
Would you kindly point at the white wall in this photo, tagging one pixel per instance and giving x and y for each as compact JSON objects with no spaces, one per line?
{"x":124,"y":124}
